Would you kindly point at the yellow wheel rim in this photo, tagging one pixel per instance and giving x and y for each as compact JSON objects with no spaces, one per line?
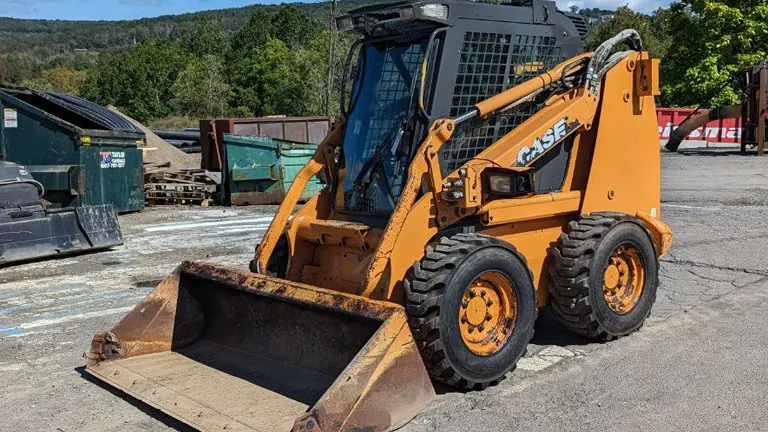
{"x":488,"y":313}
{"x":624,"y":279}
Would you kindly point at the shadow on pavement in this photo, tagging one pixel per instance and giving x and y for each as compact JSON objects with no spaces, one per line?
{"x":548,"y":331}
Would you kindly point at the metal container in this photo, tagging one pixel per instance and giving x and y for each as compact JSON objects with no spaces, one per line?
{"x":297,"y":129}
{"x":261,"y":169}
{"x":78,"y":161}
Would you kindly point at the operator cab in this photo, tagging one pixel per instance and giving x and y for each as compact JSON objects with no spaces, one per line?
{"x":422,"y":60}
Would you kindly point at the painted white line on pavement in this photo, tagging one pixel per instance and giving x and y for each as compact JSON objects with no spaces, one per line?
{"x":67,"y":318}
{"x":189,"y":225}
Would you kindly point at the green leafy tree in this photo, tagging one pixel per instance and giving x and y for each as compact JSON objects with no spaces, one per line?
{"x":715,"y":40}
{"x":625,"y":18}
{"x":206,"y":38}
{"x":18,"y":66}
{"x":253,"y":34}
{"x":201,"y":90}
{"x":293,"y":27}
{"x":60,"y":79}
{"x":272,"y":80}
{"x":315,"y":60}
{"x":139,"y":81}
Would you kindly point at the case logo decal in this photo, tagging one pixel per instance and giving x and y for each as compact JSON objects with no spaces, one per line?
{"x":554,"y":134}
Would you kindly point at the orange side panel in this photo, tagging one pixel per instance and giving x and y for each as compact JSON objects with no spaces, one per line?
{"x":626,"y":171}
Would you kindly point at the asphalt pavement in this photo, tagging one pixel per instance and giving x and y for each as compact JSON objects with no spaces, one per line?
{"x":698,"y":364}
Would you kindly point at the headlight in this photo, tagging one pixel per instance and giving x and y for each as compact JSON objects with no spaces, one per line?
{"x":438,"y":11}
{"x":500,"y":183}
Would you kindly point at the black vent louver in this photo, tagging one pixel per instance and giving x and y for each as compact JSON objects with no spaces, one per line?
{"x":579,"y":23}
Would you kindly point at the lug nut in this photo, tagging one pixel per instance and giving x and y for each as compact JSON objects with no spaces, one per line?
{"x":464,"y":304}
{"x":480,"y":327}
{"x":471,"y":329}
{"x":472,"y":293}
{"x":489,"y":302}
{"x":488,"y":317}
{"x":463,"y":319}
{"x":482,"y":293}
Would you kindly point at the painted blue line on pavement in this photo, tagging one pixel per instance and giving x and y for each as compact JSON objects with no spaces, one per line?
{"x":13,"y":309}
{"x":10,"y":331}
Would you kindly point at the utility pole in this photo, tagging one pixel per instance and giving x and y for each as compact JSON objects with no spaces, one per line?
{"x":331,"y":47}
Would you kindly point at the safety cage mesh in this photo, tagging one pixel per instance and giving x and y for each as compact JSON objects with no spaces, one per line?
{"x":490,"y":63}
{"x":392,"y":91}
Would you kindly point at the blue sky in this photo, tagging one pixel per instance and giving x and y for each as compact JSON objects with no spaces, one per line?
{"x":109,"y":9}
{"x":130,"y":9}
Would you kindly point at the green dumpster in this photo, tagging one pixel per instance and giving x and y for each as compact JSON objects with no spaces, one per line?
{"x":78,"y":161}
{"x":261,"y":169}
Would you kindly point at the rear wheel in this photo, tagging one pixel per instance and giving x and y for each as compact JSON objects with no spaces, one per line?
{"x":604,"y":276}
{"x":471,"y":307}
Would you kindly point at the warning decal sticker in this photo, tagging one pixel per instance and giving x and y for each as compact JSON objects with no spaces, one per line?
{"x":10,"y":118}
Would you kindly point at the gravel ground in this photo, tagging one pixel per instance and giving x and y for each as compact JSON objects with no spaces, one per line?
{"x":698,"y":364}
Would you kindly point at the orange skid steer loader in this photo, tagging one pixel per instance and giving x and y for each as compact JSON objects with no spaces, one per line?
{"x":481,"y":171}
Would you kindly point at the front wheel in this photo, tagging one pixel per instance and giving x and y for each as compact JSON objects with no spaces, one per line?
{"x":604,"y":275}
{"x":471,"y":307}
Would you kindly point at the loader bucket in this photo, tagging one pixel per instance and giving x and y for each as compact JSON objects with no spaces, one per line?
{"x":227,"y":350}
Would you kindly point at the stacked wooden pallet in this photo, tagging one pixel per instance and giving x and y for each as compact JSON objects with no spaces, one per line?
{"x":165,"y":186}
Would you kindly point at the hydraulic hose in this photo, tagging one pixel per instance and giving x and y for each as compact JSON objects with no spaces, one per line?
{"x":699,"y":119}
{"x":604,"y":58}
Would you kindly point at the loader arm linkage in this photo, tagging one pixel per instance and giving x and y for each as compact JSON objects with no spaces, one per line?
{"x":576,"y":106}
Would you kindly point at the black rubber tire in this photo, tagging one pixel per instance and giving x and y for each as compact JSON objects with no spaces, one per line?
{"x":277,"y":265}
{"x":577,"y":271}
{"x":434,"y":289}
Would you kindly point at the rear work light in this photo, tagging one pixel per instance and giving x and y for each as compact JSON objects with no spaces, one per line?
{"x":435,"y":10}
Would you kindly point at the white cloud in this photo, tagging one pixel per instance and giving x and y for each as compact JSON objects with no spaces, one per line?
{"x":645,"y":6}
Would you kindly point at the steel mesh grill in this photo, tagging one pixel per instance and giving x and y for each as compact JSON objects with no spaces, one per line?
{"x":490,"y":63}
{"x":392,"y":96}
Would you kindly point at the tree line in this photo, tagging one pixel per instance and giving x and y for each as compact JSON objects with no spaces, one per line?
{"x":276,"y":63}
{"x":275,"y":60}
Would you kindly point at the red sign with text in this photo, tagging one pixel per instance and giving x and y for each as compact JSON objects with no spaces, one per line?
{"x":727,"y":131}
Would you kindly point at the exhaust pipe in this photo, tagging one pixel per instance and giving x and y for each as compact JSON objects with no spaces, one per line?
{"x":699,"y":119}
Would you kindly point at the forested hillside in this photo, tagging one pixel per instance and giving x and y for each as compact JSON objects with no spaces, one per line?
{"x":48,"y":37}
{"x":273,"y":59}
